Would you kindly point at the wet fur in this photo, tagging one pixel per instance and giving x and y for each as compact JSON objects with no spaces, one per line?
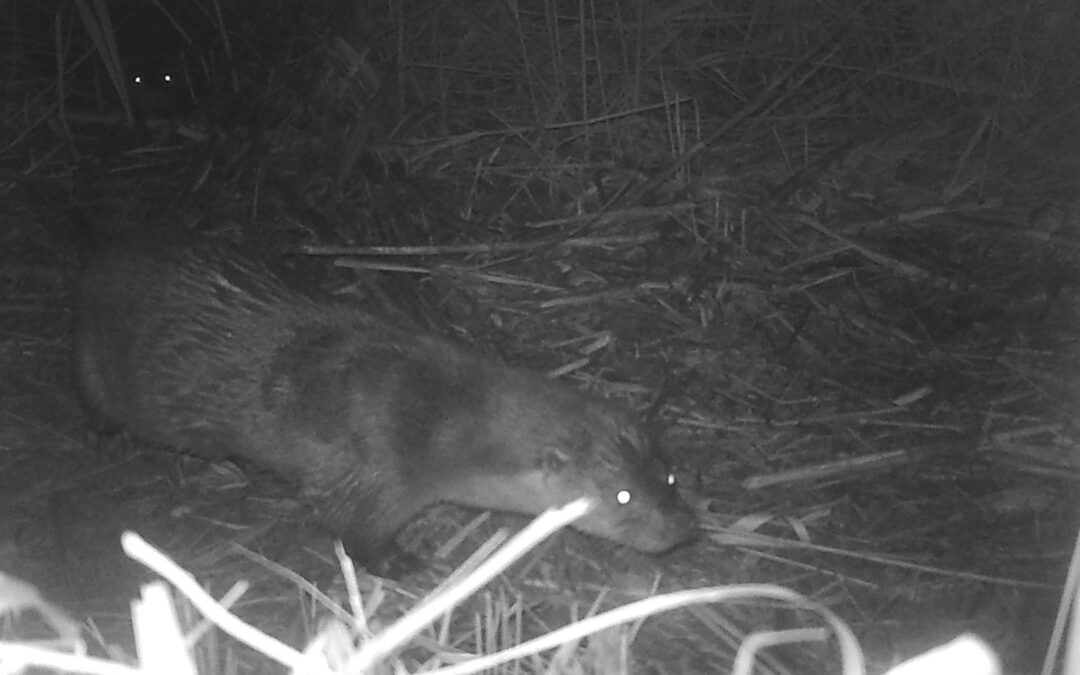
{"x":206,"y":351}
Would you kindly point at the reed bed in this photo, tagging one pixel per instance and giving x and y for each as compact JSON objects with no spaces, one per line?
{"x":829,"y":248}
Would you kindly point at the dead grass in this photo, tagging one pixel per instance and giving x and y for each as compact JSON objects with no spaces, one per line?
{"x":833,"y":246}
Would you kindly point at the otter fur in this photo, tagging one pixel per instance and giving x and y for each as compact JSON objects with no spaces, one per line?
{"x":204,"y":350}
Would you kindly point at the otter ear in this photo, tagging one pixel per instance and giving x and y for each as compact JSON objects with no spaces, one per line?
{"x":554,"y":460}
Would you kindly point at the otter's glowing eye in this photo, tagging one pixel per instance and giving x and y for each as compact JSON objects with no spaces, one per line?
{"x":167,"y":78}
{"x":137,"y":79}
{"x":623,"y":497}
{"x":671,"y":480}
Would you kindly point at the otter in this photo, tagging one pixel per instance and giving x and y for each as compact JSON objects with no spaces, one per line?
{"x":205,"y":350}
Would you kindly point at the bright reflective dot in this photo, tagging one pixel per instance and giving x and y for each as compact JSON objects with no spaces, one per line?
{"x":623,"y":497}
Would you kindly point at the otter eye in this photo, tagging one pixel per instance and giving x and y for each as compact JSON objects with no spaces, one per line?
{"x":623,"y":497}
{"x":167,"y":78}
{"x":671,"y":480}
{"x":137,"y":79}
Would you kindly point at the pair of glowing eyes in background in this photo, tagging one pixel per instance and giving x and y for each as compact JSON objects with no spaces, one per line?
{"x":164,"y":79}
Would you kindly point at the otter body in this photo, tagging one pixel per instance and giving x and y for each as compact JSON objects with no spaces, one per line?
{"x":206,"y":351}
